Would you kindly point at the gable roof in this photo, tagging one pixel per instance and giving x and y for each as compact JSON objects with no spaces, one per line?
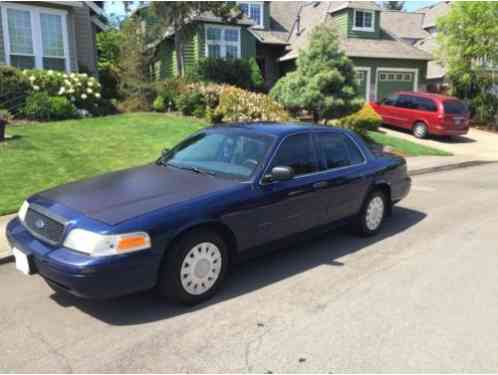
{"x":433,"y":12}
{"x":435,"y":70}
{"x":340,"y":5}
{"x":313,"y":14}
{"x":404,"y":24}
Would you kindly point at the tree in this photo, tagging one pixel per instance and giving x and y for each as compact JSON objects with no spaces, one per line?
{"x":324,"y":82}
{"x":175,"y":16}
{"x":393,"y":5}
{"x":468,"y":47}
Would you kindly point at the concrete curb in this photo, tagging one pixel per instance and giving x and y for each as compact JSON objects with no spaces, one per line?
{"x":449,"y":167}
{"x":7,"y":257}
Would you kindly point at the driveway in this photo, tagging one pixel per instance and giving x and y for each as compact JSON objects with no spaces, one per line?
{"x":422,"y":296}
{"x":476,"y":145}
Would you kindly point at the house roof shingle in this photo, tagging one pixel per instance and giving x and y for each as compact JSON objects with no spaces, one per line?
{"x":340,"y":5}
{"x":434,"y":69}
{"x":433,"y":12}
{"x":404,"y":24}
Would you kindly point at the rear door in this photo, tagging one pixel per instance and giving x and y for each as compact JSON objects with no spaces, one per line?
{"x":405,"y":108}
{"x":344,"y":181}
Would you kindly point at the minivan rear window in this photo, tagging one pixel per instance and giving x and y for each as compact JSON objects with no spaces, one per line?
{"x":454,"y":107}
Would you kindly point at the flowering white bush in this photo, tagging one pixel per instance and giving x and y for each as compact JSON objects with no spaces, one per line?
{"x":83,"y":90}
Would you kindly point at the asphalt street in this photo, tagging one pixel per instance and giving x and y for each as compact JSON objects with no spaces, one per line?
{"x":421,"y":296}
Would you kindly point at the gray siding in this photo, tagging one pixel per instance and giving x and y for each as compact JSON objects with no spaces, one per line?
{"x":86,"y":50}
{"x":2,"y":47}
{"x":71,"y":36}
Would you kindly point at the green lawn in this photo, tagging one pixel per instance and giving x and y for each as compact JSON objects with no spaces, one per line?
{"x":404,"y":147}
{"x":45,"y":155}
{"x":40,"y":156}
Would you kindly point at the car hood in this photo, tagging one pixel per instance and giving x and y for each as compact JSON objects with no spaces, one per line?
{"x":116,"y":197}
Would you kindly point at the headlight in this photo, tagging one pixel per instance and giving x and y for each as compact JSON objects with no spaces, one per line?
{"x":23,"y":211}
{"x":95,"y":244}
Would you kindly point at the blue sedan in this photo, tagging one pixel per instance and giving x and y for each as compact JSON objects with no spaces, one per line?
{"x":179,"y":223}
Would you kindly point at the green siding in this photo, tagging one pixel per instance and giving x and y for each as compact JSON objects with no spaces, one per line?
{"x":2,"y":49}
{"x":341,"y":20}
{"x":376,"y":34}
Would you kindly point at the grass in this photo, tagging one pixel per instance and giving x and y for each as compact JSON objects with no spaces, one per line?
{"x":404,"y":147}
{"x":40,"y":156}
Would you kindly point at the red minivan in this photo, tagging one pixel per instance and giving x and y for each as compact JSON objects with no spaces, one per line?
{"x":424,"y":113}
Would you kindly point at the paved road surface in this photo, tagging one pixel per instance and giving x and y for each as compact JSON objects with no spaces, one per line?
{"x":423,"y":296}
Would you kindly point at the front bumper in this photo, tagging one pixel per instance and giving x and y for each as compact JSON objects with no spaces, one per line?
{"x":82,"y":275}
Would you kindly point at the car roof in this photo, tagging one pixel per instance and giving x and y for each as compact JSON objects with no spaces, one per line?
{"x":278,"y":129}
{"x":428,"y":95}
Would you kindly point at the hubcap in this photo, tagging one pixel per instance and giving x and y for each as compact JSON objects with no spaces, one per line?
{"x":201,"y":267}
{"x":420,"y":131}
{"x":375,"y":213}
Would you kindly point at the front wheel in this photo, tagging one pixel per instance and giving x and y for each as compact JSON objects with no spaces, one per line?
{"x":372,"y":214}
{"x":194,"y":268}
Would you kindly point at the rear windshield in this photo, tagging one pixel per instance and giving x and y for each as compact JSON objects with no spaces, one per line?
{"x":454,"y":107}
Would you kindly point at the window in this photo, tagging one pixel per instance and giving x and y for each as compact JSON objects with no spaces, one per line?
{"x":296,"y":152}
{"x":406,"y":101}
{"x":425,"y":104}
{"x":253,"y":10}
{"x":455,"y":107}
{"x":399,"y":77}
{"x":35,"y":37}
{"x":338,"y":151}
{"x":363,"y":20}
{"x":222,"y":42}
{"x":390,"y":100}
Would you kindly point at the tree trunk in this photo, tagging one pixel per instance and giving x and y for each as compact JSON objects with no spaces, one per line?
{"x":316,"y":117}
{"x":2,"y":129}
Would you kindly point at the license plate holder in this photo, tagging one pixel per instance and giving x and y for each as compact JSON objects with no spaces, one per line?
{"x":23,"y":263}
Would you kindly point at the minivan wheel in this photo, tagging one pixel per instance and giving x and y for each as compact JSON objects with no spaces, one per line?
{"x":194,"y":268}
{"x":420,"y":130}
{"x":372,"y":215}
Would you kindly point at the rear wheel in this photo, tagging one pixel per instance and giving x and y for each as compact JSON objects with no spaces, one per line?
{"x":372,"y":215}
{"x":194,"y":268}
{"x":420,"y":130}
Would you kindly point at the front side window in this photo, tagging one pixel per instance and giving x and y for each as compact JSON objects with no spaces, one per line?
{"x":390,"y":100}
{"x":363,"y":20}
{"x":338,"y":151}
{"x":36,"y":37}
{"x":253,"y":10}
{"x":222,"y":42}
{"x":296,"y":152}
{"x":235,"y":155}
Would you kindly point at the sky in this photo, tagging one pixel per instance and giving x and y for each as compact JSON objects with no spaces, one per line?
{"x":116,"y":7}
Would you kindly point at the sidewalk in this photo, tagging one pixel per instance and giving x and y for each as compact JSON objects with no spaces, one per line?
{"x":416,"y":166}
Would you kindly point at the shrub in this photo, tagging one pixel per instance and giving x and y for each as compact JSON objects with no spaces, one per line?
{"x":42,"y":107}
{"x":14,"y":89}
{"x":191,"y":102}
{"x":109,"y":80}
{"x":158,"y":105}
{"x":237,"y":72}
{"x":170,"y":89}
{"x":484,"y":108}
{"x":236,"y":104}
{"x":362,"y":121}
{"x":134,"y":104}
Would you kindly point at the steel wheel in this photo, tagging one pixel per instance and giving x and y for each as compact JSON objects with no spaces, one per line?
{"x":420,"y":130}
{"x":201,"y":268}
{"x":375,"y":213}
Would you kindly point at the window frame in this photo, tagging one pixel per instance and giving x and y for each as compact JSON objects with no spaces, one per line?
{"x":323,"y":160}
{"x":222,"y":42}
{"x":363,"y":28}
{"x":261,"y":6}
{"x":36,"y":33}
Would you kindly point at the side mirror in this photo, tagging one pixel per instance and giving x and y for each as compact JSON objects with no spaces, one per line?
{"x":280,"y":174}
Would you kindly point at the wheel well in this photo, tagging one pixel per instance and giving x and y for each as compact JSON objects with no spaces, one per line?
{"x":221,"y":229}
{"x":421,"y":121}
{"x":386,"y":189}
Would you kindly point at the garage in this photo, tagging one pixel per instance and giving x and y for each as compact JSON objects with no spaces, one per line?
{"x":390,"y":81}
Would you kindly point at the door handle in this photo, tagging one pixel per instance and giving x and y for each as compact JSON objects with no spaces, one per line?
{"x":320,"y":185}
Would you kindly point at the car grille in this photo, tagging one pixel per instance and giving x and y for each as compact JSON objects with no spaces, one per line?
{"x":44,"y":227}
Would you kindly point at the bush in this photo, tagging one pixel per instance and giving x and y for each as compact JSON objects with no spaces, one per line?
{"x":109,"y":80}
{"x":42,"y":107}
{"x":191,"y":102}
{"x":134,"y":104}
{"x":239,"y":105}
{"x":362,"y":121}
{"x":170,"y":89}
{"x":14,"y":89}
{"x":158,"y":105}
{"x":484,"y":108}
{"x":241,"y":73}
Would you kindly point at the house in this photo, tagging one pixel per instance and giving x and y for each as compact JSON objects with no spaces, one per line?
{"x":58,"y":35}
{"x":385,"y":56}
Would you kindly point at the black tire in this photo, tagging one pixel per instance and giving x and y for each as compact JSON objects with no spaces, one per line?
{"x":420,"y":130}
{"x":360,"y":225}
{"x":170,"y":277}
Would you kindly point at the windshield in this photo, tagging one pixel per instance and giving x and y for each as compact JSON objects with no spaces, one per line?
{"x":454,"y":107}
{"x":232,"y":154}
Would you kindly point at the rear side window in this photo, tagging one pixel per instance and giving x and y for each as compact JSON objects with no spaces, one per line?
{"x":454,"y":107}
{"x":406,"y":101}
{"x":337,"y":151}
{"x":296,"y":152}
{"x":425,"y":104}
